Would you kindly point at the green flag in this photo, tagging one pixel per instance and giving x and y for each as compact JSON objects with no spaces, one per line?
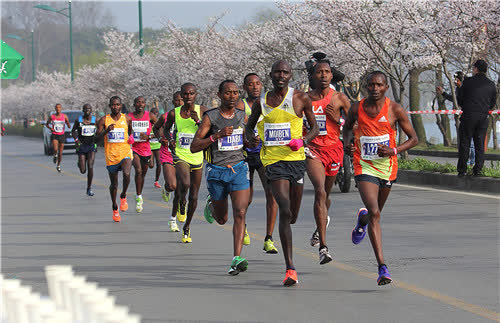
{"x":11,"y":62}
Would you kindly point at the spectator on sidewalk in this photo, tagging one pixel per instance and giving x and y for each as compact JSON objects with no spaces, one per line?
{"x":459,"y":78}
{"x":476,"y":97}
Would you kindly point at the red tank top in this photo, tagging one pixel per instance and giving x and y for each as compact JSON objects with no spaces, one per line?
{"x":329,"y":130}
{"x":59,"y":124}
{"x":139,"y":126}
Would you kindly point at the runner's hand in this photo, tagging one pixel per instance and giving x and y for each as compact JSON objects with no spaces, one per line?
{"x":164,"y":142}
{"x":144,"y":136}
{"x":385,"y":151}
{"x":111,"y":127}
{"x":330,"y":112}
{"x":194,"y":116}
{"x":349,"y":149}
{"x":254,"y":141}
{"x":224,"y":132}
{"x":171,"y":144}
{"x":439,"y":89}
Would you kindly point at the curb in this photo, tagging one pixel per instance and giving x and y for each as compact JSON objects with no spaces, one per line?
{"x":447,"y":154}
{"x":450,"y":181}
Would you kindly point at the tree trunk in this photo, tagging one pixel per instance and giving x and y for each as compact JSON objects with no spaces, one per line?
{"x":398,"y":94}
{"x":442,"y":119}
{"x":416,"y":119}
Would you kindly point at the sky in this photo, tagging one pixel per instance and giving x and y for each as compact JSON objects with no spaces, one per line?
{"x":184,"y":13}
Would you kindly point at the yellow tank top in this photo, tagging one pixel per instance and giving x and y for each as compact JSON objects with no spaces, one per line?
{"x":277,"y":127}
{"x":184,"y":134}
{"x":116,"y":147}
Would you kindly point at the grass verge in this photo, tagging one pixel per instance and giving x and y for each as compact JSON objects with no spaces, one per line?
{"x":490,"y":169}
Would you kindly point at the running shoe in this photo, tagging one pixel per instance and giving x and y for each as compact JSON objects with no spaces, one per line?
{"x":181,"y":216}
{"x":246,"y":238}
{"x":90,"y":192}
{"x":172,"y":224}
{"x":165,"y":195}
{"x":123,"y":204}
{"x":315,"y":239}
{"x":359,"y":231}
{"x":54,"y":160}
{"x":238,"y":265}
{"x":116,"y":216}
{"x":384,"y":277}
{"x":138,"y":204}
{"x":157,"y":185}
{"x":58,"y":168}
{"x":324,"y":256}
{"x":207,"y":212}
{"x":290,"y":278}
{"x":186,"y":236}
{"x":269,"y":247}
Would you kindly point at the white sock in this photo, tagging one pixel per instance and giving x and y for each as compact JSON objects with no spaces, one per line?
{"x":139,"y":196}
{"x":172,"y":218}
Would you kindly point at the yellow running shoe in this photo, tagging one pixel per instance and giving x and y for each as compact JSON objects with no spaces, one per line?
{"x":269,"y":246}
{"x":186,"y":236}
{"x":246,"y":238}
{"x":180,"y":216}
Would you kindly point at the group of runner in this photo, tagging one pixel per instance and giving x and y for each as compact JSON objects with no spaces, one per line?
{"x":282,"y":134}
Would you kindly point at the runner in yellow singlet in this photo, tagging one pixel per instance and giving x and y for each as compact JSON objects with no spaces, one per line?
{"x":282,"y":154}
{"x":116,"y":128}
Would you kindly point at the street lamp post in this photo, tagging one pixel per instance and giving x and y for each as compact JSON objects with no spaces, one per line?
{"x":140,"y":27}
{"x":68,"y":15}
{"x":33,"y":75}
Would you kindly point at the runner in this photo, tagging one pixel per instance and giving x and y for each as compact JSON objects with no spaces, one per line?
{"x":141,"y":129}
{"x":375,"y":158}
{"x":324,"y":154}
{"x":84,"y":134}
{"x":116,"y":128}
{"x":221,"y":133}
{"x":56,"y":123}
{"x":155,"y":145}
{"x":177,"y":99}
{"x":282,"y":153}
{"x":253,"y":87}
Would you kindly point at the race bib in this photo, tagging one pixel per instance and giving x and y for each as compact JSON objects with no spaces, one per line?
{"x":185,"y":139}
{"x":58,"y":126}
{"x":88,"y":130}
{"x":321,"y":121}
{"x":153,"y":140}
{"x":369,"y":146}
{"x":116,"y":135}
{"x":232,"y":142}
{"x":277,"y":134}
{"x":139,"y":127}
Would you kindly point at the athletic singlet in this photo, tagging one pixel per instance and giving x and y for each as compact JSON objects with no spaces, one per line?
{"x":277,"y":127}
{"x":248,"y":112}
{"x":329,"y":130}
{"x":86,"y":132}
{"x":116,"y":147}
{"x":154,"y":143}
{"x":369,"y":133}
{"x":59,"y":124}
{"x":184,"y":135}
{"x":139,"y":126}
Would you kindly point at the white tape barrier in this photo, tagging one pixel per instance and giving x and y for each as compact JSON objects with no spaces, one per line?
{"x":445,"y":112}
{"x":72,"y":300}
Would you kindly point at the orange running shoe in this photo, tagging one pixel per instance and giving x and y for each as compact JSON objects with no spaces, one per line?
{"x":157,"y":185}
{"x":290,"y":278}
{"x":123,"y":204}
{"x":116,"y":216}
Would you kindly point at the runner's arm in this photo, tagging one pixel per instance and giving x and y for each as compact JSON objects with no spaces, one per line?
{"x":406,"y":126}
{"x":67,"y":121}
{"x":158,"y":125}
{"x":129,"y":123}
{"x":252,"y":121}
{"x":311,"y":119}
{"x":74,"y":132}
{"x":101,"y":132}
{"x":347,"y":134}
{"x":48,"y":123}
{"x":199,"y":142}
{"x":152,"y":119}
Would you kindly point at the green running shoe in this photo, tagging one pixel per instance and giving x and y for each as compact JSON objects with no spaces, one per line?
{"x":165,"y":195}
{"x":269,"y":246}
{"x":238,"y":265}
{"x":208,"y":210}
{"x":138,"y":204}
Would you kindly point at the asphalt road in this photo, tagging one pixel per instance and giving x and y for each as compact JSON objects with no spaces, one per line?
{"x":441,"y":248}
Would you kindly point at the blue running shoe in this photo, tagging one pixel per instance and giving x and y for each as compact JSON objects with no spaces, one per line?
{"x":359,"y":232}
{"x":384,"y":277}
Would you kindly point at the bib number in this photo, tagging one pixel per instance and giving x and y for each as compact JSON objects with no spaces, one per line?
{"x":88,"y":130}
{"x":321,"y":121}
{"x":232,"y":142}
{"x":277,"y":134}
{"x":116,"y":135}
{"x":139,"y":127}
{"x":185,"y":139}
{"x":58,"y":126}
{"x":369,"y":146}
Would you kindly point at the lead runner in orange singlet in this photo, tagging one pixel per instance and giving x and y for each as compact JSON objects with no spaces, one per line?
{"x":375,"y":159}
{"x":324,"y":153}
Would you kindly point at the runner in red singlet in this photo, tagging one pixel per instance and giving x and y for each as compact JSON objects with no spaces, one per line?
{"x":56,"y":123}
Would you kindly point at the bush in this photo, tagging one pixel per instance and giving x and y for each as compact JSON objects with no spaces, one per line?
{"x":18,"y":130}
{"x":422,"y":164}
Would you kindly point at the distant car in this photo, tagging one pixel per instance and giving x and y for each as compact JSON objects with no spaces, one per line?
{"x":69,"y":142}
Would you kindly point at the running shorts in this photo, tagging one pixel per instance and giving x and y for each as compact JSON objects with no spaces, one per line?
{"x":375,"y":180}
{"x":144,"y":159}
{"x":223,"y":180}
{"x":293,"y":171}
{"x":253,"y":160}
{"x":116,"y":167}
{"x":192,"y":167}
{"x":331,"y":157}
{"x":84,"y":149}
{"x":59,"y":138}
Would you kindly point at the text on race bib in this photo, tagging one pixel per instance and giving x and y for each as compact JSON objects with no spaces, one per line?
{"x":138,"y":127}
{"x":88,"y":130}
{"x":59,"y":126}
{"x":321,"y":121}
{"x":277,"y":134}
{"x":369,"y":146}
{"x":185,"y":139}
{"x":232,"y":142}
{"x":116,"y":135}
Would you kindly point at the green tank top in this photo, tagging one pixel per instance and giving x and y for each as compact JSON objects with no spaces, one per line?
{"x":184,"y":134}
{"x":248,"y":110}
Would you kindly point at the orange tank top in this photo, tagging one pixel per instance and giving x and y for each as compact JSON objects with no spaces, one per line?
{"x":116,"y":146}
{"x":369,"y":133}
{"x":329,"y":130}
